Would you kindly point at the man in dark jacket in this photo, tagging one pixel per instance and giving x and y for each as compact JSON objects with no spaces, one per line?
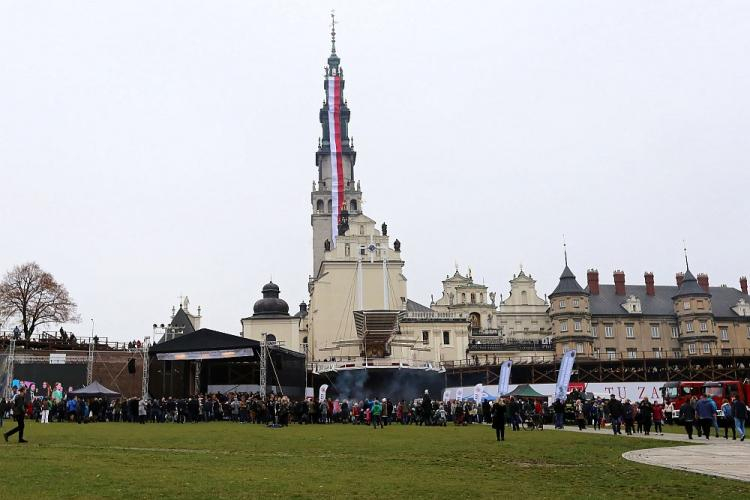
{"x":615,"y":413}
{"x":19,"y":410}
{"x":739,"y":411}
{"x":498,"y":419}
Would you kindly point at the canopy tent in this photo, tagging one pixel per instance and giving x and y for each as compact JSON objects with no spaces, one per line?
{"x":95,"y":390}
{"x":205,"y":344}
{"x":526,"y":391}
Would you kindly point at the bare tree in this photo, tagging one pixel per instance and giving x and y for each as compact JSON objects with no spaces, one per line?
{"x":33,"y":295}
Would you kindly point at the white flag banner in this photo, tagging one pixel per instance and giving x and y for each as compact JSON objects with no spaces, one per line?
{"x":478,"y":393}
{"x":563,"y":376}
{"x":446,"y":395}
{"x":502,"y":384}
{"x":460,"y":394}
{"x":322,"y":393}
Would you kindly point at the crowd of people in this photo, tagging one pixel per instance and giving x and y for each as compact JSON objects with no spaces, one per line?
{"x":700,"y":416}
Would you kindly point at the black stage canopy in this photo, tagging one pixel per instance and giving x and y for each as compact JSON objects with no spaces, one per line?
{"x":205,"y":344}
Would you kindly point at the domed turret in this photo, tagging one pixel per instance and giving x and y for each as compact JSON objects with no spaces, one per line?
{"x":271,"y":304}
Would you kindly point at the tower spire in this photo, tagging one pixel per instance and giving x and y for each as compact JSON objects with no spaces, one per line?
{"x":684,"y":249}
{"x":565,"y":251}
{"x":333,"y":32}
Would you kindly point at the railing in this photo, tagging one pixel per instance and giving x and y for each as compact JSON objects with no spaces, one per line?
{"x":53,"y":339}
{"x":435,"y":315}
{"x":359,"y":362}
{"x":510,"y":346}
{"x":488,"y":332}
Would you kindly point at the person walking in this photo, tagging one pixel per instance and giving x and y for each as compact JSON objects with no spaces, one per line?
{"x":579,"y":414}
{"x":739,"y":412}
{"x":498,"y":419}
{"x":727,"y":420}
{"x":686,"y":418}
{"x":559,"y":409}
{"x":646,"y":412}
{"x":376,"y":414}
{"x":19,"y":412}
{"x":46,"y":403}
{"x":706,"y":412}
{"x":616,"y":411}
{"x":142,"y":410}
{"x":658,"y":418}
{"x":669,"y":412}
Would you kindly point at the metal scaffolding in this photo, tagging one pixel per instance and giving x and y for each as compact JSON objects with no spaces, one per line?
{"x":90,"y":365}
{"x":7,"y":391}
{"x":144,"y":353}
{"x":263,"y":357}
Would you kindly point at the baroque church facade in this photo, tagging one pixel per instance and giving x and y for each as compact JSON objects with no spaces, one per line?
{"x":357,"y":269}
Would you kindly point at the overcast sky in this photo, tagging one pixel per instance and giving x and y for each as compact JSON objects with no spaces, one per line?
{"x":153,"y":149}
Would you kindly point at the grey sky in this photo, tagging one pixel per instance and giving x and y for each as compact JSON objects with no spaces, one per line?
{"x":149,"y":149}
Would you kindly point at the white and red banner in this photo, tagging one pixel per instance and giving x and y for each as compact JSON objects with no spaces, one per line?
{"x":337,"y":160}
{"x":563,"y":376}
{"x":322,"y":393}
{"x":502,"y":385}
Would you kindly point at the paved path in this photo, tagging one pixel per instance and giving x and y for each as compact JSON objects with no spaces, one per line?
{"x":715,"y":457}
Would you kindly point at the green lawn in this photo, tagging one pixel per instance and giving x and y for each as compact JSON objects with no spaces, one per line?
{"x":223,"y":460}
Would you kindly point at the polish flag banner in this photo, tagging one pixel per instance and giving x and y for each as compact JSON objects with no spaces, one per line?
{"x":337,"y":161}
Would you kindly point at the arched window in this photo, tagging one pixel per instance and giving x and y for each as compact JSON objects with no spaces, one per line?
{"x":524,"y":298}
{"x":475,"y":321}
{"x":463,"y":298}
{"x":481,"y":298}
{"x":473,"y":298}
{"x":304,"y":340}
{"x":353,"y":206}
{"x":270,"y":337}
{"x":319,"y":207}
{"x":330,"y":206}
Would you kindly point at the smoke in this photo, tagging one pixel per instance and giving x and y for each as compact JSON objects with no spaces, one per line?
{"x":395,"y":384}
{"x":351,"y":384}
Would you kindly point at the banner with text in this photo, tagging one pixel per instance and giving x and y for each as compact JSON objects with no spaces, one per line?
{"x":478,"y":393}
{"x":502,"y":384}
{"x":563,"y":376}
{"x":322,"y":393}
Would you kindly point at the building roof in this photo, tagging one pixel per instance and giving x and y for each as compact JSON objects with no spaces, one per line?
{"x":568,"y":284}
{"x":204,"y":340}
{"x":690,"y":286}
{"x":662,"y":303}
{"x":412,"y":306}
{"x":181,"y":320}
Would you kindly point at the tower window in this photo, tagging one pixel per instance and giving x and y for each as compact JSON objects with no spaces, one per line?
{"x":353,"y":206}
{"x":320,"y":206}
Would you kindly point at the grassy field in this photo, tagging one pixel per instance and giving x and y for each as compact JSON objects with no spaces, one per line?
{"x":222,"y":460}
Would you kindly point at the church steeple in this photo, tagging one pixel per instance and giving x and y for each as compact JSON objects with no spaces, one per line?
{"x":333,"y":59}
{"x":335,"y":157}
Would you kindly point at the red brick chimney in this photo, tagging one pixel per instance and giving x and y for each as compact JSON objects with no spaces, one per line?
{"x":679,"y":277}
{"x":743,"y":284}
{"x":703,"y":281}
{"x":650,"y":289}
{"x":593,"y":278}
{"x":619,"y":282}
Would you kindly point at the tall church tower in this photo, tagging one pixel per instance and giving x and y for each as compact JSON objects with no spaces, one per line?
{"x":325,"y":216}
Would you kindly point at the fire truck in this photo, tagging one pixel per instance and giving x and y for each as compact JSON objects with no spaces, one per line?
{"x":681,"y":392}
